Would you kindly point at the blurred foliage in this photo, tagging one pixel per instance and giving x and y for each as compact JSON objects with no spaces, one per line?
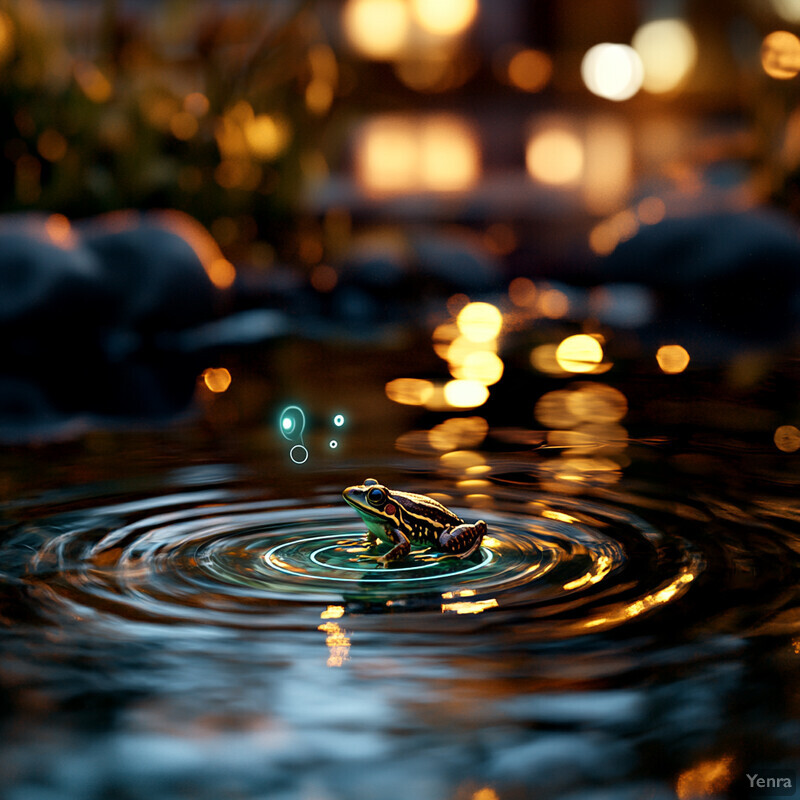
{"x":216,"y":111}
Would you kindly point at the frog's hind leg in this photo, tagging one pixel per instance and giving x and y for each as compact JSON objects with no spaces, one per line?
{"x":463,"y":540}
{"x":402,"y":546}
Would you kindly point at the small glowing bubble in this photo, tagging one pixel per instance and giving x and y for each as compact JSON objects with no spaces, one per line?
{"x":787,"y":438}
{"x":298,"y":454}
{"x":333,"y":444}
{"x":287,"y":424}
{"x":672,"y":358}
{"x":338,"y":420}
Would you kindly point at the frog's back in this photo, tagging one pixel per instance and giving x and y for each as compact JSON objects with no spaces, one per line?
{"x":425,"y":517}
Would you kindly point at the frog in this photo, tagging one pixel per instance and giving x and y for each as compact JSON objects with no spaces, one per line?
{"x":402,"y":518}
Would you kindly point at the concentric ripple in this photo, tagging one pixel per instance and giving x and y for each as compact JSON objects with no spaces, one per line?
{"x":229,"y":558}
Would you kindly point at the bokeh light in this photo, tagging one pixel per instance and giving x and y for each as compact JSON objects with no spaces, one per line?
{"x":579,"y":353}
{"x":780,"y":55}
{"x":400,"y":154}
{"x":378,"y":29}
{"x":522,"y":292}
{"x":483,"y":366}
{"x":672,"y":358}
{"x":554,"y":155}
{"x":444,"y":17}
{"x":668,"y":51}
{"x":409,"y":391}
{"x":530,"y":70}
{"x":788,"y":9}
{"x":706,"y":779}
{"x":787,"y":438}
{"x":465,"y":393}
{"x":479,"y":322}
{"x":612,"y":71}
{"x":217,"y":379}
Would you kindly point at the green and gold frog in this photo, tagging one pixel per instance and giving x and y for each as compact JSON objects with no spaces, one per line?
{"x":403,"y":518}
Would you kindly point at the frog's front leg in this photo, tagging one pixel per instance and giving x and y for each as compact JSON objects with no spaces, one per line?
{"x":402,"y":546}
{"x":371,"y":538}
{"x":463,"y":540}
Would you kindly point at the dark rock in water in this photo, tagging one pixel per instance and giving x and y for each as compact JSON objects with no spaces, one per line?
{"x":735,"y":273}
{"x":155,"y":264}
{"x":49,"y":284}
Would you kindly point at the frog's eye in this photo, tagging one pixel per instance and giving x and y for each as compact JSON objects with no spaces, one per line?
{"x":370,"y":482}
{"x":375,"y":496}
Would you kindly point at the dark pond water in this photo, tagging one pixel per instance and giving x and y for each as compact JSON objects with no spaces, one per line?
{"x":188,"y":614}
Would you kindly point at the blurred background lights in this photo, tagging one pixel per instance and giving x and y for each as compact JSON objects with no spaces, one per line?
{"x":780,"y":55}
{"x":465,"y":393}
{"x":579,"y":353}
{"x":444,"y":17}
{"x":479,"y":322}
{"x":409,"y":391}
{"x":378,"y":29}
{"x":612,"y":71}
{"x":672,"y":358}
{"x":338,"y":420}
{"x":787,"y":9}
{"x":217,"y":379}
{"x":554,"y":155}
{"x":530,"y":70}
{"x":402,"y":154}
{"x":668,"y":51}
{"x":787,"y":438}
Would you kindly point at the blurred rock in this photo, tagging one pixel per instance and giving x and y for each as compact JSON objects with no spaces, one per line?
{"x":732,"y":273}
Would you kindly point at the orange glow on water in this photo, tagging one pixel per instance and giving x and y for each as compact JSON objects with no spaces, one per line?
{"x":706,"y":779}
{"x":579,"y":353}
{"x":780,"y":55}
{"x":470,"y":606}
{"x":480,"y":322}
{"x":409,"y":391}
{"x":672,"y":358}
{"x":217,"y":379}
{"x":465,"y":393}
{"x":787,"y":438}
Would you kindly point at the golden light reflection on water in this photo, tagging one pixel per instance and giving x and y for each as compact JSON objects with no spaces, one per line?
{"x":337,"y":642}
{"x":465,"y":393}
{"x":480,"y":322}
{"x":458,"y":433}
{"x":706,"y":779}
{"x":579,"y":353}
{"x":780,"y":55}
{"x":469,"y":607}
{"x":332,"y":612}
{"x":672,"y":358}
{"x":409,"y":391}
{"x":787,"y":438}
{"x":602,"y":567}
